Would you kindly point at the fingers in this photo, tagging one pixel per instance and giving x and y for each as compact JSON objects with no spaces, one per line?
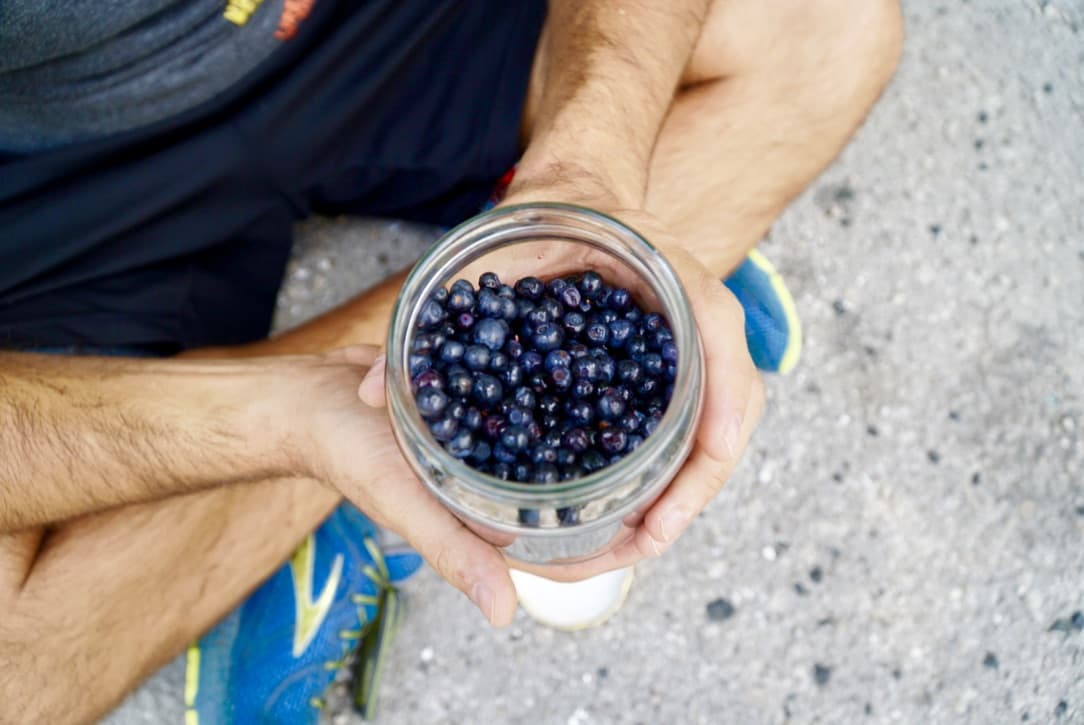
{"x":468,"y":563}
{"x":371,"y":390}
{"x":733,"y":403}
{"x":363,"y":355}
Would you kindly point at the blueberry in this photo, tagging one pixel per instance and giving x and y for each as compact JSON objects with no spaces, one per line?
{"x":555,"y":286}
{"x":660,"y":337}
{"x":592,"y":461}
{"x":439,"y":295}
{"x":583,"y":389}
{"x":530,"y":287}
{"x":568,"y":516}
{"x":462,"y":443}
{"x":606,"y":316}
{"x":653,"y":321}
{"x":460,"y":299}
{"x":522,"y":472}
{"x":491,"y":333}
{"x":561,"y":378}
{"x":629,"y":371}
{"x":550,"y":421}
{"x":612,"y":441}
{"x":590,"y":284}
{"x":572,"y":472}
{"x":580,"y":412}
{"x":636,"y":346}
{"x":418,"y":363}
{"x":503,"y":455}
{"x":528,"y":517}
{"x":452,"y":351}
{"x":472,"y":418}
{"x":487,"y":389}
{"x":530,"y":361}
{"x":576,"y":440}
{"x":509,"y":309}
{"x":547,"y":337}
{"x":493,"y":426}
{"x":573,"y":322}
{"x":502,"y":471}
{"x":464,"y":320}
{"x":634,"y":315}
{"x":585,"y":368}
{"x":570,"y":297}
{"x":537,"y":317}
{"x":428,"y":379}
{"x":545,"y":473}
{"x":538,"y":383}
{"x":597,"y":333}
{"x":513,"y":348}
{"x":629,"y":422}
{"x":669,"y":353}
{"x":603,"y":297}
{"x":634,"y":442}
{"x":557,"y":359}
{"x":519,"y":416}
{"x":444,"y":429}
{"x":620,"y":332}
{"x":541,"y":453}
{"x":653,"y":364}
{"x":671,"y":373}
{"x":515,"y":438}
{"x":525,"y":398}
{"x":490,"y":304}
{"x":607,"y":368}
{"x":506,"y":291}
{"x":424,"y":343}
{"x":430,"y":315}
{"x":548,"y":404}
{"x":523,"y":308}
{"x":565,"y":458}
{"x":499,"y":362}
{"x":610,"y":404}
{"x":513,"y":376}
{"x":651,"y":424}
{"x":459,"y":382}
{"x":534,"y":430}
{"x":552,"y":439}
{"x":431,"y":402}
{"x":489,"y":280}
{"x":552,"y":308}
{"x":457,"y":409}
{"x":476,"y":357}
{"x":620,"y":299}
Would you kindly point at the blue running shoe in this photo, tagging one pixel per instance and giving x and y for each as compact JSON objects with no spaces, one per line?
{"x":772,"y":328}
{"x":272,"y":659}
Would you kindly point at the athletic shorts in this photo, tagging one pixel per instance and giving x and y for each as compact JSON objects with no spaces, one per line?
{"x":176,"y":235}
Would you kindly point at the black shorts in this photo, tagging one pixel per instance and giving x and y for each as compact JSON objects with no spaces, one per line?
{"x":176,"y":235}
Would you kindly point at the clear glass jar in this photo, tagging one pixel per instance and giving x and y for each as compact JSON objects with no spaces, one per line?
{"x":549,"y":240}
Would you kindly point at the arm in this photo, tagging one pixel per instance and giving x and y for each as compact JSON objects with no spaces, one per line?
{"x":82,"y":434}
{"x":608,"y":71}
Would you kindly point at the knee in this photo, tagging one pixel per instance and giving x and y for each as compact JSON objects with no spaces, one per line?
{"x":836,"y":48}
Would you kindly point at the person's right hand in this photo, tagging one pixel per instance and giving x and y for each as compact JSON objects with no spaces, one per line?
{"x":349,"y":445}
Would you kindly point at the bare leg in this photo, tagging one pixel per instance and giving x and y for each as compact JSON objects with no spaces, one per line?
{"x":774,"y":90}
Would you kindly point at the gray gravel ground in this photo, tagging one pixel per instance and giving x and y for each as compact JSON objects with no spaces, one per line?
{"x":905,"y":540}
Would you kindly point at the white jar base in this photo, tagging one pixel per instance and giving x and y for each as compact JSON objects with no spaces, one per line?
{"x":572,"y":606}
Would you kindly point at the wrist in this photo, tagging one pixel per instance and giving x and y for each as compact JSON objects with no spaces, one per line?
{"x":552,"y":171}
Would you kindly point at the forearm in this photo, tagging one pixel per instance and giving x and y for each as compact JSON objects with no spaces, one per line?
{"x":609,"y":70}
{"x":83,"y":434}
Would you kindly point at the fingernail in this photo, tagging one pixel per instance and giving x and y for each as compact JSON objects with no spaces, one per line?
{"x":656,"y":547}
{"x":732,"y":435}
{"x":672,"y":523}
{"x":377,"y":367}
{"x":369,"y":390}
{"x":483,"y":598}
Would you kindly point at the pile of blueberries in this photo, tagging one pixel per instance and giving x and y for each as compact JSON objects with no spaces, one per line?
{"x":541,"y":381}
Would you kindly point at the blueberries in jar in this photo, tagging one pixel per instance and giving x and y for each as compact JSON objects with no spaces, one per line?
{"x":540,"y":382}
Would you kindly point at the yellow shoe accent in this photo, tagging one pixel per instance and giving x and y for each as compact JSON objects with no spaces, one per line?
{"x":309,"y":614}
{"x":191,"y":684}
{"x":790,"y":310}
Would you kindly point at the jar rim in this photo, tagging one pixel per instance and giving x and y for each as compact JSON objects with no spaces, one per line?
{"x":422,"y":281}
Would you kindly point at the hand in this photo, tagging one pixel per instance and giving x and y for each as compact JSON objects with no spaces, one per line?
{"x":349,"y":445}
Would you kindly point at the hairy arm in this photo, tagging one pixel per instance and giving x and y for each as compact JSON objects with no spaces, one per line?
{"x":608,"y":70}
{"x":82,"y":434}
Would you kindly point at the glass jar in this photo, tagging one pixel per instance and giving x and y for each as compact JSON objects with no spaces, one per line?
{"x":574,"y":520}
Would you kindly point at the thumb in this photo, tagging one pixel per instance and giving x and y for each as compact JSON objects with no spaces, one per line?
{"x":371,"y":390}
